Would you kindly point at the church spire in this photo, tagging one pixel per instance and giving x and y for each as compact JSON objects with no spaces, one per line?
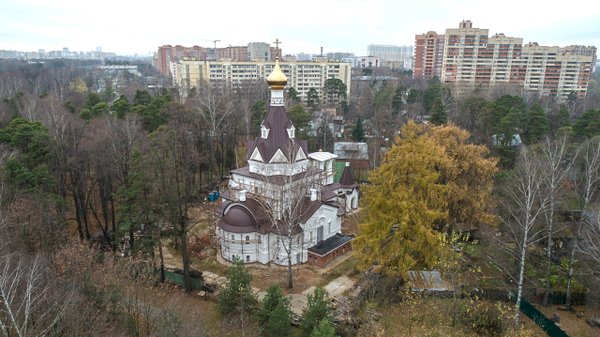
{"x":277,"y":80}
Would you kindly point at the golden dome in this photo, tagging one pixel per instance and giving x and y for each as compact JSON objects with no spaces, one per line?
{"x":277,"y":80}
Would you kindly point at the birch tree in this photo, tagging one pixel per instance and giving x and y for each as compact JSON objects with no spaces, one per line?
{"x":523,"y":206}
{"x":590,"y":237}
{"x":285,"y":210}
{"x":586,"y":181}
{"x":27,"y":306}
{"x":554,"y":159}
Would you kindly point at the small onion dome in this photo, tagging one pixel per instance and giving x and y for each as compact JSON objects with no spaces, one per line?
{"x":277,"y":79}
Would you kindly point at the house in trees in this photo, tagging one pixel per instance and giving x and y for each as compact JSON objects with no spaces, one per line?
{"x":285,"y":202}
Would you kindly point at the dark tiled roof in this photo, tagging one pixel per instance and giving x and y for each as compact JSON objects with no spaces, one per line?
{"x":277,"y":122}
{"x":250,"y":216}
{"x":309,"y":208}
{"x":341,"y":210}
{"x":326,"y":246}
{"x":243,"y":216}
{"x":329,"y":191}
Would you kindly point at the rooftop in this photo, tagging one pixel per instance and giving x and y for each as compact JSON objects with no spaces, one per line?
{"x":326,"y":246}
{"x":322,"y":156}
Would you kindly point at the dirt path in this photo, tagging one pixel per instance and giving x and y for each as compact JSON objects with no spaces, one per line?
{"x":570,"y":323}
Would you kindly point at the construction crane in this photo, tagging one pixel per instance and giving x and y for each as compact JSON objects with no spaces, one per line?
{"x":213,"y":52}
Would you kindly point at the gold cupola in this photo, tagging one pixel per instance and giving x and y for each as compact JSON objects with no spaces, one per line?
{"x":277,"y":80}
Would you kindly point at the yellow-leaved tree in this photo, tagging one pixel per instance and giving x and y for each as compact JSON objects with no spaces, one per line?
{"x":469,"y":175}
{"x":403,"y":202}
{"x":430,"y":177}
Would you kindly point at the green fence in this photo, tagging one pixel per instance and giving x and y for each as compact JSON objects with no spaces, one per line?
{"x":541,"y":320}
{"x":178,"y":279}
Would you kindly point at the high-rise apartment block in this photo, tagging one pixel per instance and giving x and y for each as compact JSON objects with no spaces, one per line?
{"x":403,"y":54}
{"x":260,"y":51}
{"x":469,"y":57}
{"x":302,"y":76}
{"x":168,"y":55}
{"x":429,"y":53}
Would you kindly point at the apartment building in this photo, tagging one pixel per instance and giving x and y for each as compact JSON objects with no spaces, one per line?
{"x":260,"y":51}
{"x":403,"y":54}
{"x":461,"y":52}
{"x":429,"y":54}
{"x":254,"y":51}
{"x":555,"y":71}
{"x":302,"y":76}
{"x":468,"y":57}
{"x":167,"y":54}
{"x":238,"y":53}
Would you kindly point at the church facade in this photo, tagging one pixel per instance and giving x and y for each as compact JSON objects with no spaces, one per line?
{"x":284,"y":203}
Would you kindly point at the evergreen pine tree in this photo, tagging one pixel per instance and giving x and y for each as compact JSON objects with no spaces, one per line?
{"x":280,"y":321}
{"x":274,"y":314}
{"x":358,"y":132}
{"x":438,"y":113}
{"x":236,"y":298}
{"x":536,"y":124}
{"x":318,"y":308}
{"x":558,"y":119}
{"x":324,"y":329}
{"x":397,"y":101}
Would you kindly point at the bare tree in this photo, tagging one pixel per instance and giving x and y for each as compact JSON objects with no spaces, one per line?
{"x":590,"y":237}
{"x":214,"y":108}
{"x":553,"y":158}
{"x":171,"y":158}
{"x":586,"y":181}
{"x":524,"y":204}
{"x":122,"y":137}
{"x":27,"y":307}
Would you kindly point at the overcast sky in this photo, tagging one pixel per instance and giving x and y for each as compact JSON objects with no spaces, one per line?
{"x":128,"y":27}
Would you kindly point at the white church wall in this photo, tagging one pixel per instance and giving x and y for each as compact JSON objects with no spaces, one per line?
{"x":277,"y":168}
{"x":244,"y":246}
{"x":298,"y":251}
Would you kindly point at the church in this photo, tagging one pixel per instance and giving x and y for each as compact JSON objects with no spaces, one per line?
{"x":284,"y":207}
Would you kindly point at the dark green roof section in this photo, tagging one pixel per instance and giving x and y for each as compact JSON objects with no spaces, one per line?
{"x":339,"y":169}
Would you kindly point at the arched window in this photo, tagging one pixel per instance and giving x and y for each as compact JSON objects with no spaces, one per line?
{"x":247,"y":258}
{"x":232,"y":237}
{"x":247,"y":239}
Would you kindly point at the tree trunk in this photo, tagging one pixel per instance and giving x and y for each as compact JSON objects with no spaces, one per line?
{"x":185,"y":255}
{"x":570,"y":275}
{"x":162,"y":259}
{"x":520,"y":282}
{"x":546,"y":300}
{"x":290,"y":271}
{"x":113,"y":222}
